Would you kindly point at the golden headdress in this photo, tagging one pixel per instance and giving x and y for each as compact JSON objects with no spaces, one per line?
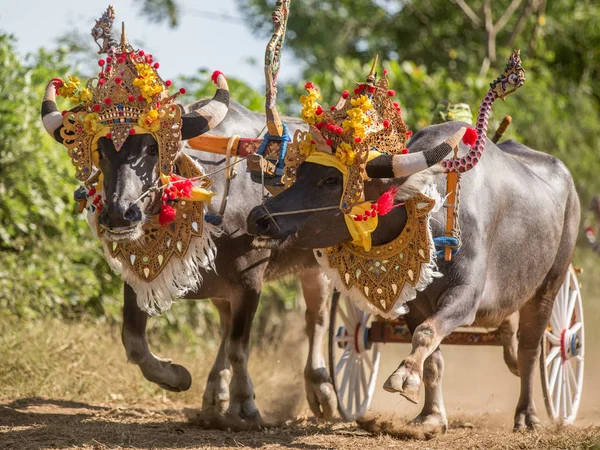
{"x":359,"y":124}
{"x":128,"y":96}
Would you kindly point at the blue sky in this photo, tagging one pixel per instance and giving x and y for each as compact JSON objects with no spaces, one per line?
{"x":201,"y":40}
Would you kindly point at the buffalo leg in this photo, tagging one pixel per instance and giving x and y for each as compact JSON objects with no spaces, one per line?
{"x":319,"y":390}
{"x":433,"y":414}
{"x":216,"y":393}
{"x":456,"y":307}
{"x":510,"y":342}
{"x":243,"y":308}
{"x":161,"y":371}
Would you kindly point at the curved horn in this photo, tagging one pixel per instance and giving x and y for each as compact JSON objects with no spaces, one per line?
{"x":211,"y":114}
{"x":398,"y":166}
{"x":51,"y":118}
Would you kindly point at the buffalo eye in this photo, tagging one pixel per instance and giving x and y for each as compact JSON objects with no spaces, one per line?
{"x":152,"y":150}
{"x":332,"y":181}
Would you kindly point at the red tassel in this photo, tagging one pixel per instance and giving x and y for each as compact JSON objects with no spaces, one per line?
{"x":470,"y":137}
{"x":167,"y":215}
{"x":385,"y":203}
{"x":215,"y":75}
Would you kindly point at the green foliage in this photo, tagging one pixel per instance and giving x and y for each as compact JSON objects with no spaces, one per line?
{"x":49,"y":261}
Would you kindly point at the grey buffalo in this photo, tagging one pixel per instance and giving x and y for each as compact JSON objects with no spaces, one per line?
{"x":519,"y":215}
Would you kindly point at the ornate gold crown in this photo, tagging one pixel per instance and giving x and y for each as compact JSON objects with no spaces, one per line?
{"x":128,"y":93}
{"x":367,"y":121}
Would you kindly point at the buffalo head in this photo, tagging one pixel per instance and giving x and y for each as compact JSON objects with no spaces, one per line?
{"x":307,"y":214}
{"x":132,"y":170}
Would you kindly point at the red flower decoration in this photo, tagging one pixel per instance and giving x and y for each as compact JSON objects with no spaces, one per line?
{"x":101,"y":62}
{"x":391,"y":92}
{"x":108,"y":100}
{"x":167,"y":215}
{"x":309,"y":85}
{"x":345,"y":94}
{"x":386,"y":123}
{"x":404,"y":151}
{"x":182,"y":91}
{"x":168,"y":83}
{"x":96,"y":108}
{"x":156,"y":65}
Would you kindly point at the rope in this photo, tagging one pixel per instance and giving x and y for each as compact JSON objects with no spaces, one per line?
{"x":229,"y":173}
{"x":441,"y":242}
{"x":284,"y":139}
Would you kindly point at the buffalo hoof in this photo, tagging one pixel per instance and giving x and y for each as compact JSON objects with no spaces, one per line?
{"x":320,"y":394}
{"x":169,"y":376}
{"x":431,"y":423}
{"x":526,"y":420}
{"x":406,"y":382}
{"x":246,"y":411}
{"x":215,"y":399}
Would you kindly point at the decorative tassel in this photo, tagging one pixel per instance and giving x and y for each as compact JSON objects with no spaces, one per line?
{"x":215,"y":75}
{"x":470,"y":136}
{"x":167,"y":214}
{"x":385,"y":203}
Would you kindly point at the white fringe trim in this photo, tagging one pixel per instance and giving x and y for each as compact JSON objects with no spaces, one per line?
{"x":428,"y":273}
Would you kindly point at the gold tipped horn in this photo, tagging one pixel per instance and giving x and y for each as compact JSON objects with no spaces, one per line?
{"x":372,"y":74}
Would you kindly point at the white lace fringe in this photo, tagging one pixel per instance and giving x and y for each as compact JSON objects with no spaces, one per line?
{"x":408,"y":292}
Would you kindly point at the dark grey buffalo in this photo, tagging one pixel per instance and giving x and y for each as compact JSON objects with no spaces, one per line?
{"x":241,"y":270}
{"x":519,"y":216}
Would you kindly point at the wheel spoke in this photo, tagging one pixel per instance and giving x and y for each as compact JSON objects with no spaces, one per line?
{"x":367,"y":359}
{"x":344,"y":384}
{"x":352,"y":312}
{"x":343,"y":360}
{"x":570,"y":308}
{"x":555,"y":318}
{"x":575,"y":328}
{"x":557,"y":392}
{"x":566,"y":394}
{"x":344,"y":338}
{"x":553,"y":376}
{"x":357,"y":390}
{"x":363,"y":380}
{"x":554,"y":352}
{"x":349,"y":325}
{"x":552,"y":339}
{"x":352,"y":385}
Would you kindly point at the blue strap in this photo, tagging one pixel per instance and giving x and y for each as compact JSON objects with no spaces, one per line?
{"x":441,"y":242}
{"x":215,"y":220}
{"x":284,"y":139}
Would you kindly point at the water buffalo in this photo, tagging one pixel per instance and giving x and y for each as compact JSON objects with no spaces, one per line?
{"x":241,"y":269}
{"x":519,"y":216}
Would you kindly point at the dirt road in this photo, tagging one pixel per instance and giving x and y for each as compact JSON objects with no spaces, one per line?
{"x":38,"y":423}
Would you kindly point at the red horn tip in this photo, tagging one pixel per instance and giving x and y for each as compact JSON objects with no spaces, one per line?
{"x":215,"y":76}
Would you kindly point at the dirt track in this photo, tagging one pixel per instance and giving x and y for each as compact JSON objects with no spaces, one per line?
{"x":39,"y":423}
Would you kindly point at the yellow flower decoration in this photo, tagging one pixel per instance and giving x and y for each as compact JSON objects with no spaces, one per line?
{"x":85,"y":95}
{"x":91,"y":123}
{"x":147,"y":81}
{"x":363,"y":102}
{"x":307,"y":145}
{"x":345,"y":154}
{"x":69,"y":89}
{"x":310,"y":107}
{"x":150,"y":121}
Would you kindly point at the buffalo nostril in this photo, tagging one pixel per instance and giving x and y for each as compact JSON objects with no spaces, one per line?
{"x":133,"y":214}
{"x":263,"y":224}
